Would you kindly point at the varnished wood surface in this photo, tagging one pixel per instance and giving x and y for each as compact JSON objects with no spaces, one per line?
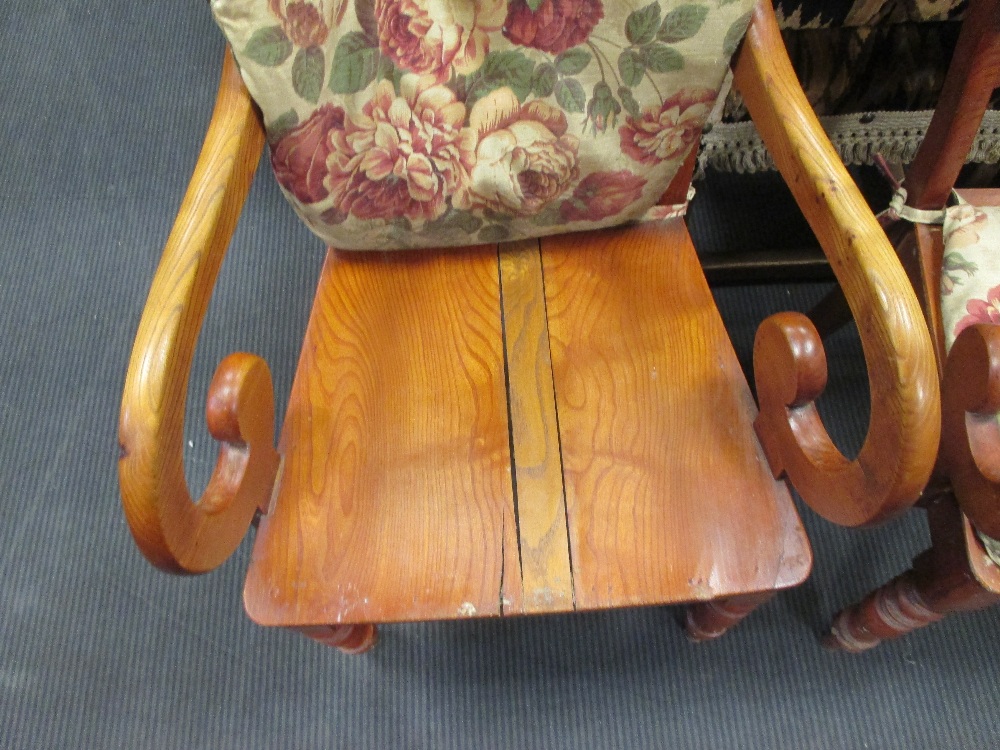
{"x":972,"y":76}
{"x":953,"y":575}
{"x":541,"y":503}
{"x":970,"y":445}
{"x":396,"y":499}
{"x":898,"y":454}
{"x":172,"y":531}
{"x":669,"y":497}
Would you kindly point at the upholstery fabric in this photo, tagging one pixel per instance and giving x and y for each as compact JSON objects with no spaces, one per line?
{"x":970,"y":278}
{"x":409,"y":123}
{"x":970,"y":283}
{"x":861,"y":56}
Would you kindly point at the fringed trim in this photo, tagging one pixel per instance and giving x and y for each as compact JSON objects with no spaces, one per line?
{"x":737,"y":147}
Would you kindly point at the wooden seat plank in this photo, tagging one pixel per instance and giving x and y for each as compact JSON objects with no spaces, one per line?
{"x":395,"y":500}
{"x":545,"y":561}
{"x":636,"y":476}
{"x":669,"y":496}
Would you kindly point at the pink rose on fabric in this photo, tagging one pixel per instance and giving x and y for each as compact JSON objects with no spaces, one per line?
{"x":300,"y":157}
{"x":658,"y":135}
{"x":435,"y":36}
{"x":981,"y":311}
{"x":602,"y":194}
{"x":524,"y":157}
{"x":556,"y":26}
{"x":402,"y":156}
{"x":306,"y":23}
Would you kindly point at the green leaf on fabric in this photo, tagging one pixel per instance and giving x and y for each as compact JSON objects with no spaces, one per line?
{"x":455,"y":219}
{"x":573,"y":61}
{"x":544,"y":80}
{"x":508,"y":68}
{"x":534,"y":5}
{"x":641,"y":25}
{"x":660,"y":58}
{"x":308,"y":69}
{"x":268,"y":47}
{"x":682,"y":23}
{"x":494,"y":233}
{"x":550,"y":216}
{"x":631,"y":67}
{"x":735,"y":34}
{"x":282,"y":125}
{"x":355,"y":63}
{"x":570,"y":95}
{"x":629,"y":102}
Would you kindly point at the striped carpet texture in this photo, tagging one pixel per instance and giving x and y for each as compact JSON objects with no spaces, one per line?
{"x":104,"y":105}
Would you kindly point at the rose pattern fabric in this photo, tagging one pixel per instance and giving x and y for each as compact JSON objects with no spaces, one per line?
{"x":524,"y":157}
{"x":970,"y":277}
{"x":402,"y":156}
{"x":299,"y":160}
{"x":666,"y":132}
{"x":554,"y":25}
{"x":416,"y":123}
{"x":434,"y":36}
{"x":602,"y":194}
{"x":303,"y":21}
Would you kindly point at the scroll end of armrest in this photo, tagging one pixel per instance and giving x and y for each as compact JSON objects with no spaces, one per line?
{"x":173,"y":532}
{"x":970,"y":447}
{"x":895,"y":461}
{"x":899,"y":450}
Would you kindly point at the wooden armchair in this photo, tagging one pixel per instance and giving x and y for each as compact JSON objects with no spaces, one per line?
{"x":542,"y":426}
{"x":956,"y":573}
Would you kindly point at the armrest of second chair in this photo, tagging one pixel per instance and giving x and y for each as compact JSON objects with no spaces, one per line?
{"x":898,"y":454}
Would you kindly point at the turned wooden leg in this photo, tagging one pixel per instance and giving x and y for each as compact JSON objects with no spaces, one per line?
{"x":349,"y":639}
{"x":940,"y":582}
{"x":889,"y":612}
{"x":706,"y":621}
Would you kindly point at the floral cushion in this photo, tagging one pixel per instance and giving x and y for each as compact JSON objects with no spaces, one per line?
{"x":970,"y":278}
{"x":970,"y":283}
{"x":409,"y":123}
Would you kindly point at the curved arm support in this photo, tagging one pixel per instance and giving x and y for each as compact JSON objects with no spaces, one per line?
{"x":970,"y":446}
{"x":897,"y":457}
{"x":172,"y":531}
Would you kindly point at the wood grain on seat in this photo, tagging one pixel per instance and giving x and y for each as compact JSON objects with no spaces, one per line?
{"x":597,"y":362}
{"x":395,"y":501}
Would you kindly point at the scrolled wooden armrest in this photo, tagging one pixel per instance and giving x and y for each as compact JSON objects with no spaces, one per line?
{"x":897,"y":457}
{"x":175,"y":533}
{"x":970,"y":438}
